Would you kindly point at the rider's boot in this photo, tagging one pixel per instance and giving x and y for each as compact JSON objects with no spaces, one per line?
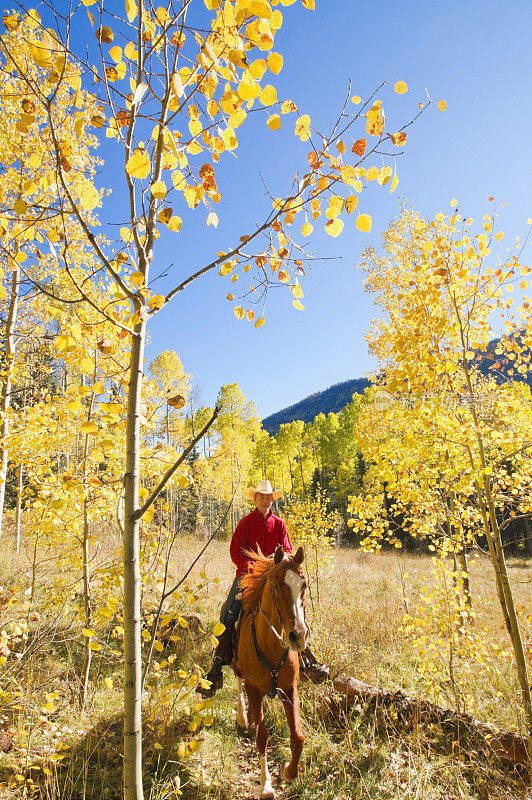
{"x":222,"y":655}
{"x":310,"y":669}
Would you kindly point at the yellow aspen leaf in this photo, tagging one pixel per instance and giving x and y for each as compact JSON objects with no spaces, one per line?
{"x":334,"y":227}
{"x":159,"y":647}
{"x":138,"y":165}
{"x":66,"y":343}
{"x":297,"y":304}
{"x":399,"y":138}
{"x":297,"y":291}
{"x":372,"y":173}
{"x":356,"y":99}
{"x":374,"y":120}
{"x":237,"y":118}
{"x":525,"y":270}
{"x":89,"y":427}
{"x":137,"y":278}
{"x":347,"y":174}
{"x":384,"y":175}
{"x":156,"y":302}
{"x":41,"y":54}
{"x":230,"y":139}
{"x":268,"y":96}
{"x":302,"y":128}
{"x":249,"y":315}
{"x":175,"y":224}
{"x":364,"y":223}
{"x":287,"y":2}
{"x":274,"y":122}
{"x":234,"y":278}
{"x":239,"y":312}
{"x":159,"y":190}
{"x":307,"y":229}
{"x":88,"y":632}
{"x":131,"y":10}
{"x":116,"y":53}
{"x":288,"y":106}
{"x":20,"y":207}
{"x":111,"y":73}
{"x":260,"y":322}
{"x":523,"y":285}
{"x":442,"y":105}
{"x":95,"y":646}
{"x":48,"y":708}
{"x":247,"y":88}
{"x":275,"y":63}
{"x":261,"y":8}
{"x":212,"y":219}
{"x":351,"y":203}
{"x":335,"y":207}
{"x":162,"y":15}
{"x":230,"y":297}
{"x":400,"y":87}
{"x":126,"y":234}
{"x":499,"y":236}
{"x":178,"y":179}
{"x":109,"y":683}
{"x":258,"y":68}
{"x":395,"y":181}
{"x":283,"y":276}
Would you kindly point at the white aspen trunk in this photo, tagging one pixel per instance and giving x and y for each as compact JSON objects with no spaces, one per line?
{"x":6,"y":393}
{"x":86,"y":604}
{"x":133,"y":789}
{"x":18,"y":513}
{"x":85,"y":561}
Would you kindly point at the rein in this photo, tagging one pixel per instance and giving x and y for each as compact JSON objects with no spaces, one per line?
{"x":273,"y":670}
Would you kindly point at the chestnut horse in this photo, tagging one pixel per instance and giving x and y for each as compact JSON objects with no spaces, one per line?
{"x":271,"y":634}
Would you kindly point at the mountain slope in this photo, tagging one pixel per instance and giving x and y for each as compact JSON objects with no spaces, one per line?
{"x":336,"y":397}
{"x":332,"y":399}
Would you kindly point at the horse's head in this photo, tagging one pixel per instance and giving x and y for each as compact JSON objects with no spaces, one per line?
{"x":288,"y":588}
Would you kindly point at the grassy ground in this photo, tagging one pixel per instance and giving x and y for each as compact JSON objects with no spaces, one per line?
{"x":70,"y":754}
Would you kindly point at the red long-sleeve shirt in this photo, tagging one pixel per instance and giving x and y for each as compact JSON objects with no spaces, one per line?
{"x":254,"y":530}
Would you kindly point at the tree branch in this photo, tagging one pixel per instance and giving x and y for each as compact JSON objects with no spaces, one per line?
{"x":139,"y":513}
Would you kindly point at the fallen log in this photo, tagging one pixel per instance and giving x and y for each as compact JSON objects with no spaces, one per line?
{"x":471,"y":734}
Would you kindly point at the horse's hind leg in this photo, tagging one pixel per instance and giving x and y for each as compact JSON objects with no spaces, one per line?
{"x":257,"y":719}
{"x":297,"y":740}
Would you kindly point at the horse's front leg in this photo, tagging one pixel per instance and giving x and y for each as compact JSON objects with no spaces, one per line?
{"x":241,"y":709}
{"x":257,"y":719}
{"x":297,"y":740}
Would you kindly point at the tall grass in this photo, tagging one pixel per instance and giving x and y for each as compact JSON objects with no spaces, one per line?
{"x":356,"y":631}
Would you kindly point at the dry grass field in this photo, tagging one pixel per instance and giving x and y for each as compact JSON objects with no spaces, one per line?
{"x":357,"y":630}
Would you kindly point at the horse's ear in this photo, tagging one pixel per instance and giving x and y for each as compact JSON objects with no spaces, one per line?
{"x":279,"y":555}
{"x":299,"y":556}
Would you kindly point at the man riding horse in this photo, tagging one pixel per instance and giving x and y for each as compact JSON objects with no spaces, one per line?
{"x":261,"y":529}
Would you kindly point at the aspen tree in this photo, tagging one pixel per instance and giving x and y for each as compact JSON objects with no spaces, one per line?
{"x":171,"y":86}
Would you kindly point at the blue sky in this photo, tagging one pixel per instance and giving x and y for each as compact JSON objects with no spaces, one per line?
{"x":475,"y":55}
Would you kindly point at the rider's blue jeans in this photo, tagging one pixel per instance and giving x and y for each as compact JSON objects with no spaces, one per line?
{"x":231,"y":609}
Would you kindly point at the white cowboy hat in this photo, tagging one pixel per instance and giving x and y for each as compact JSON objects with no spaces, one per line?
{"x":264,"y":487}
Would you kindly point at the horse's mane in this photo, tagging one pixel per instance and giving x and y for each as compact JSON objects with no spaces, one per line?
{"x":252,"y":584}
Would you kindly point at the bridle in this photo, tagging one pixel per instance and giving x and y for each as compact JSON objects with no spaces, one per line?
{"x":272,"y":669}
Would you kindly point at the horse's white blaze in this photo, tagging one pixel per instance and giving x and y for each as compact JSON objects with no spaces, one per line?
{"x":295,"y":582}
{"x":241,"y":708}
{"x":266,"y":789}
